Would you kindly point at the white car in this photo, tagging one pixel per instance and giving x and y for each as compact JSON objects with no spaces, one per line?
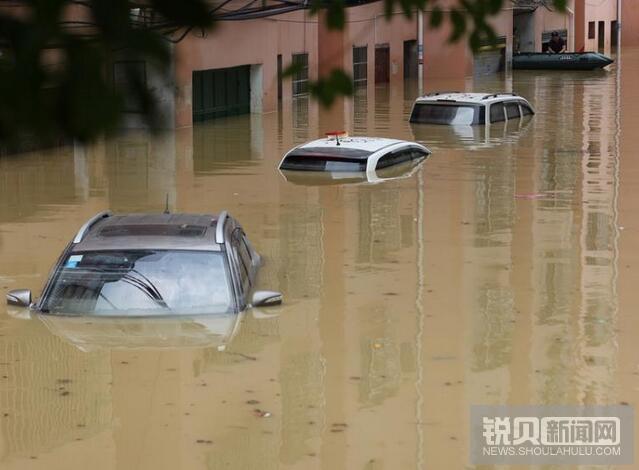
{"x":468,"y":109}
{"x":352,"y":155}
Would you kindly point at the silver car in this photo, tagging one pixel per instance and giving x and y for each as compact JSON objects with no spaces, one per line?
{"x":153,"y":264}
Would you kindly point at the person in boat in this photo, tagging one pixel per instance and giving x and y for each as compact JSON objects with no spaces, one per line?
{"x":556,"y":45}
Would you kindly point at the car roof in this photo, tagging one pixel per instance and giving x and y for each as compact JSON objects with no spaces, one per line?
{"x":359,"y":147}
{"x":369,"y":144}
{"x":467,"y":98}
{"x":150,"y":231}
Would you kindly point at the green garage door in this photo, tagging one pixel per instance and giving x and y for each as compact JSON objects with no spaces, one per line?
{"x":221,"y":92}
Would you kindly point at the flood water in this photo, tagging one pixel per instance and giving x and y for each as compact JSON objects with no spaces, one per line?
{"x":504,"y":271}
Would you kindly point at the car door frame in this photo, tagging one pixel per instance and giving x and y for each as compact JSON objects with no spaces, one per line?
{"x":234,"y":232}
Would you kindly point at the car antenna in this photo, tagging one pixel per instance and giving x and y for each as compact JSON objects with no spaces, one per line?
{"x":166,"y":207}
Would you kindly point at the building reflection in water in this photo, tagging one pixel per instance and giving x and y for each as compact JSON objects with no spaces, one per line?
{"x":31,"y":181}
{"x":545,"y":324}
{"x":227,"y":144}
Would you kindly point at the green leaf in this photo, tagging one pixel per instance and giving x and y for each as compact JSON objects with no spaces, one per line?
{"x":560,"y":5}
{"x":327,"y":89}
{"x":458,"y":20}
{"x":494,"y":6}
{"x":335,"y":15}
{"x":388,"y":9}
{"x":292,"y":69}
{"x":335,"y":12}
{"x":436,"y":17}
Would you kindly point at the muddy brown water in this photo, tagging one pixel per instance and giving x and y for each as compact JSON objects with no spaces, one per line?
{"x":504,"y":271}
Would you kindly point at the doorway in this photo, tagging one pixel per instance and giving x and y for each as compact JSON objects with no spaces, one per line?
{"x":410,"y":59}
{"x":382,"y":63}
{"x":524,"y":31}
{"x":613,"y":33}
{"x":601,"y":36}
{"x":221,"y":92}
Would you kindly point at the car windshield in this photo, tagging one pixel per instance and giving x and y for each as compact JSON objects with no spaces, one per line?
{"x":341,"y":159}
{"x":140,"y":283}
{"x":444,"y":114}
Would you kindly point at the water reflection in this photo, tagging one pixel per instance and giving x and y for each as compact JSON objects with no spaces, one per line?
{"x":471,"y":137}
{"x":322,"y":178}
{"x":226,"y":144}
{"x":89,"y":334}
{"x":491,"y":279}
{"x":31,"y":181}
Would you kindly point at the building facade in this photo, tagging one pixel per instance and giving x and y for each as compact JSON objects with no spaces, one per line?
{"x":240,"y":67}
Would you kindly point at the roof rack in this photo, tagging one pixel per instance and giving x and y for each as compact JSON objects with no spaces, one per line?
{"x":88,"y":224}
{"x":437,"y":93}
{"x":495,"y":95}
{"x":219,"y":228}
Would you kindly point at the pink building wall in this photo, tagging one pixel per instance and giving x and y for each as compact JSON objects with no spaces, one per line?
{"x":255,"y":42}
{"x":629,"y":23}
{"x":587,"y":12}
{"x":366,"y":25}
{"x":445,"y":60}
{"x":258,"y":42}
{"x":603,"y":10}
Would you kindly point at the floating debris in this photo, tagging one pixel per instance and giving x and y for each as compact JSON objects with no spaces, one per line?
{"x":261,"y":413}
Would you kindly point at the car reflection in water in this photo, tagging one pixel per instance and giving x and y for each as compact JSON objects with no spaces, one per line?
{"x":94,"y":333}
{"x":470,"y":137}
{"x":323,"y":178}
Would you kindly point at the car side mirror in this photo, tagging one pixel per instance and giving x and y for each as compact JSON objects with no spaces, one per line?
{"x":266,"y":298}
{"x":19,"y":297}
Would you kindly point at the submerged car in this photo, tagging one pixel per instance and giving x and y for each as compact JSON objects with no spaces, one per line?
{"x":153,"y":264}
{"x":469,"y":109}
{"x":354,"y":155}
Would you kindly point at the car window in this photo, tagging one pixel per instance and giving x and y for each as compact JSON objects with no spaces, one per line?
{"x":140,"y":282}
{"x":525,"y":110}
{"x":400,"y":156}
{"x":249,"y":248}
{"x":245,"y":255}
{"x":439,"y":113}
{"x":497,"y":112}
{"x":512,"y":110}
{"x":243,"y":260}
{"x":326,"y":159}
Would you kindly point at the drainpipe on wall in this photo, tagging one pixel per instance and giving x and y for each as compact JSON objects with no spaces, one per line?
{"x":420,"y":53}
{"x":618,"y":28}
{"x":571,"y":36}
